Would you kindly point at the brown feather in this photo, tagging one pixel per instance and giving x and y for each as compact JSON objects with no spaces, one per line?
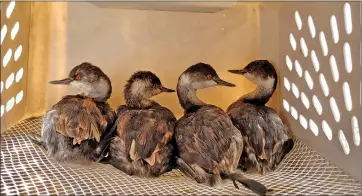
{"x":146,"y":134}
{"x":152,"y":159}
{"x":167,"y":137}
{"x":133,"y":153}
{"x":121,"y":127}
{"x":263,"y":154}
{"x":79,"y":118}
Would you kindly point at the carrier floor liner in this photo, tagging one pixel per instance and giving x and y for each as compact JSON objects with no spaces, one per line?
{"x":25,"y":169}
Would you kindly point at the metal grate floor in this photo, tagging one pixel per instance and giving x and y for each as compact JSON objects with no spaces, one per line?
{"x":26,"y":170}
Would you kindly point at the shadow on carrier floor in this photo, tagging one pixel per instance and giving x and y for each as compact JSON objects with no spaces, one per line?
{"x":26,"y":170}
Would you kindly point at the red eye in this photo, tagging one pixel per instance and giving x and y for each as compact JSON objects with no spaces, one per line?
{"x":209,"y":76}
{"x":77,"y":77}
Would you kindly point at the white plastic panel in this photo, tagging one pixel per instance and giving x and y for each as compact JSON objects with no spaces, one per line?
{"x":312,"y":29}
{"x":4,"y":30}
{"x":10,"y":9}
{"x":329,"y":89}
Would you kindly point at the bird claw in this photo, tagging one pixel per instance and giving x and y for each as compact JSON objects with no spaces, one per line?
{"x":37,"y":140}
{"x":235,"y":184}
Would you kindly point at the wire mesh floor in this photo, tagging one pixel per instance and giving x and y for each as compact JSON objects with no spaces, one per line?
{"x":25,"y":169}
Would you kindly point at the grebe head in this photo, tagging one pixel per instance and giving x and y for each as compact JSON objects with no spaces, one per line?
{"x":260,"y":72}
{"x":89,"y":80}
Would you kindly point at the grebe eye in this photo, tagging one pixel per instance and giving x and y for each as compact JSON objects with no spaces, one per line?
{"x":77,"y":77}
{"x":209,"y":76}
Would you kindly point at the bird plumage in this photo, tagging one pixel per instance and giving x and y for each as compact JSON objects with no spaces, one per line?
{"x":73,"y":129}
{"x":208,"y":144}
{"x":266,"y":138}
{"x":143,"y":144}
{"x":264,"y":134}
{"x":207,"y":138}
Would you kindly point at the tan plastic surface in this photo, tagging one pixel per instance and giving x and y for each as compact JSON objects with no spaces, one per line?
{"x":12,"y":41}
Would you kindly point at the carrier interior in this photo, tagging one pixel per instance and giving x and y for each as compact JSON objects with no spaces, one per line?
{"x":314,"y":46}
